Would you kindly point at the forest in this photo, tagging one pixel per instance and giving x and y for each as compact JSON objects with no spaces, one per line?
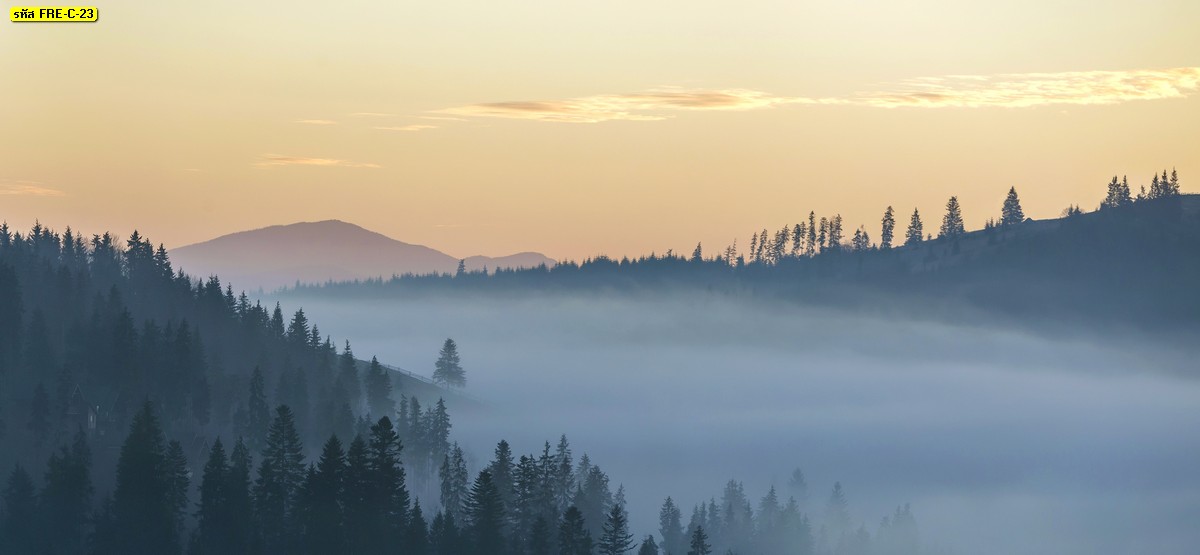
{"x":136,"y":417}
{"x":143,"y":410}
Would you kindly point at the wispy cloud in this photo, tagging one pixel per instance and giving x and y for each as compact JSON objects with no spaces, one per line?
{"x":28,"y":188}
{"x":644,"y":106}
{"x":415,"y":127}
{"x":442,"y":118}
{"x":371,"y":115}
{"x":317,"y":121}
{"x":269,"y":160}
{"x":1020,"y":90}
{"x":1023,"y":90}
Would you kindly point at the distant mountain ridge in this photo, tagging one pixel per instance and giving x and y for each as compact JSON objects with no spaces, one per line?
{"x":316,"y":252}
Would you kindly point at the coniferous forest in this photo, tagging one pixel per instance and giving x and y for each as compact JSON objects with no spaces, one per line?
{"x":143,"y":410}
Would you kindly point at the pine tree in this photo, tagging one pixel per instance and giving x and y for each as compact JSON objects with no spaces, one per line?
{"x":66,"y":500}
{"x":416,"y":533}
{"x":379,"y":390}
{"x":212,"y":524}
{"x":258,"y":413}
{"x":238,"y":505}
{"x":347,"y":378}
{"x":359,"y":499}
{"x":1011,"y":214}
{"x":810,"y":245}
{"x":915,"y":232}
{"x":670,"y":527}
{"x":144,"y":516}
{"x":952,"y":222}
{"x":648,"y":547}
{"x":453,"y":474}
{"x":889,"y":227}
{"x":448,"y":369}
{"x":320,"y":501}
{"x":539,"y":537}
{"x":484,"y":511}
{"x":699,"y":544}
{"x":573,"y":537}
{"x":388,"y":498}
{"x":279,"y":479}
{"x":444,"y":535}
{"x":616,"y":538}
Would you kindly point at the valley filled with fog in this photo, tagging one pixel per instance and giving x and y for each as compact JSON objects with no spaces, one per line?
{"x":1004,"y":441}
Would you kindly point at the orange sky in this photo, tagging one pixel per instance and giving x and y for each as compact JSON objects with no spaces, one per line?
{"x":577,"y":128}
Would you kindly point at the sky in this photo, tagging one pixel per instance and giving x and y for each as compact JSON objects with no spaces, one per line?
{"x":576,"y":128}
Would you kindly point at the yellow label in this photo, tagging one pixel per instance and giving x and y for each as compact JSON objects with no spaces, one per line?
{"x":54,"y":13}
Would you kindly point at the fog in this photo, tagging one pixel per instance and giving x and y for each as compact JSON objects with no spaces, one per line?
{"x":1004,"y":441}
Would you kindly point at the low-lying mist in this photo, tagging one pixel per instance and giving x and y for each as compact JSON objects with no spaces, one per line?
{"x":1003,"y":441}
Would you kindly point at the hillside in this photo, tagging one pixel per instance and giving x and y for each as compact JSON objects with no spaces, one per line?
{"x":316,"y":252}
{"x":1131,"y":266}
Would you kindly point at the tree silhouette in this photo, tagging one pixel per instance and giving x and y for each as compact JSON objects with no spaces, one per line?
{"x":916,"y":230}
{"x":888,"y":229}
{"x":952,"y":222}
{"x":448,"y":369}
{"x":616,"y":538}
{"x":1011,"y":213}
{"x":573,"y":537}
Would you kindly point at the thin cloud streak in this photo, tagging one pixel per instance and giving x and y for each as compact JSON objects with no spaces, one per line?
{"x":1024,"y":90}
{"x":270,"y":160}
{"x":645,"y":106}
{"x":317,"y":121}
{"x":414,"y":127}
{"x":371,"y":115}
{"x":28,"y":189}
{"x":1021,"y":90}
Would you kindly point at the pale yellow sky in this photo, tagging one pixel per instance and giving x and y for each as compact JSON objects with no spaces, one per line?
{"x":577,"y":128}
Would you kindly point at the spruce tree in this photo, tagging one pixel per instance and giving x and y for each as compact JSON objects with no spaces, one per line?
{"x":573,"y":537}
{"x":484,"y":511}
{"x":616,"y":539}
{"x":648,"y":547}
{"x":212,"y":513}
{"x":916,"y":230}
{"x":238,"y":503}
{"x":144,"y":515}
{"x":1011,"y":214}
{"x":416,"y":533}
{"x":952,"y":222}
{"x":320,"y":502}
{"x":670,"y":527}
{"x":66,"y":499}
{"x":889,"y":227}
{"x":280,"y":477}
{"x":258,"y":412}
{"x":448,"y":370}
{"x":699,"y":544}
{"x":379,"y":390}
{"x":388,"y":501}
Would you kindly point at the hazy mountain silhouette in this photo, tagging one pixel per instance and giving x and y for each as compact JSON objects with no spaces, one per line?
{"x":315,"y":252}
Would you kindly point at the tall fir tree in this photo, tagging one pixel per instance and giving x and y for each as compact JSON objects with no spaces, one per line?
{"x":616,"y":539}
{"x":484,"y":511}
{"x":379,"y":390}
{"x":448,"y":369}
{"x":1011,"y":213}
{"x":573,"y":536}
{"x":916,"y":230}
{"x":952,"y":222}
{"x":888,"y":229}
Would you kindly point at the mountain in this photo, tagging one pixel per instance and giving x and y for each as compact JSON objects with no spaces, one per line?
{"x":316,"y":252}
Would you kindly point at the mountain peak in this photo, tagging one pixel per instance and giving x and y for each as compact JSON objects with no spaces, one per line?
{"x":316,"y":252}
